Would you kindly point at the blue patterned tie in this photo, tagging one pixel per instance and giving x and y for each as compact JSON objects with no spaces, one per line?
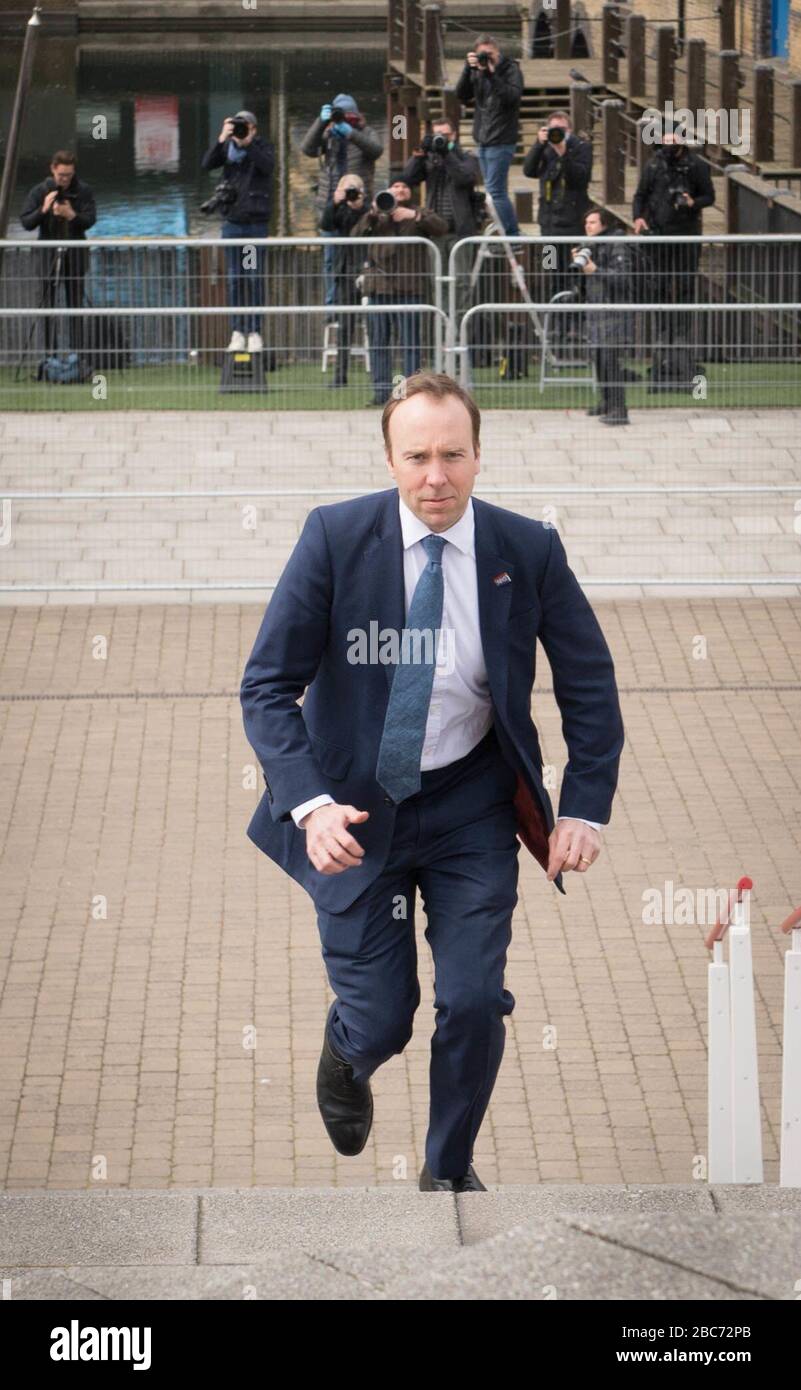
{"x":398,"y":767}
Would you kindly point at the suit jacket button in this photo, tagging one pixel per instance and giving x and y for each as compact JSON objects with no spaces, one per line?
{"x":388,"y":801}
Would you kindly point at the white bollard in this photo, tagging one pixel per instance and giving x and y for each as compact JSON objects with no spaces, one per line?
{"x":790,"y":1166}
{"x":735,"y":1128}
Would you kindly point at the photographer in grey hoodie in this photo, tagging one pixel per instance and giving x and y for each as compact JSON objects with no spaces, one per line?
{"x":343,"y":143}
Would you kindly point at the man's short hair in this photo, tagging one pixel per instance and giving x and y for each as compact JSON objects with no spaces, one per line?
{"x":444,"y":120}
{"x":486,"y":38}
{"x":63,"y":157}
{"x":560,"y":115}
{"x":438,"y":385}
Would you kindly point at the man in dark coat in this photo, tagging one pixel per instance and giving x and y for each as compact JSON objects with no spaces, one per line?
{"x":62,"y":208}
{"x":609,"y":277}
{"x":562,"y":162}
{"x":247,"y":161}
{"x":451,"y":176}
{"x":494,"y":84}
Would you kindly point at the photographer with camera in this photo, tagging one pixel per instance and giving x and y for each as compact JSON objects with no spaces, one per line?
{"x":62,"y":207}
{"x":243,"y":196}
{"x":607,"y":271}
{"x":344,"y":144}
{"x":495,"y":84}
{"x":562,"y":162}
{"x":342,"y":212}
{"x":674,"y":188}
{"x":395,"y":275}
{"x":451,"y":177}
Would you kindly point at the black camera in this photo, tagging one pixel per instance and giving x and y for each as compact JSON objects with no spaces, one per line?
{"x":438,"y":144}
{"x":240,"y":129}
{"x":386,"y":201}
{"x":678,"y":195}
{"x":483,"y":59}
{"x":63,"y":195}
{"x":337,"y":115}
{"x":223,"y":197}
{"x":352,"y":194}
{"x":556,"y":134}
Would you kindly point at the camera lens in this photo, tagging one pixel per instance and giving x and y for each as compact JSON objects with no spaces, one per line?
{"x":385,"y":200}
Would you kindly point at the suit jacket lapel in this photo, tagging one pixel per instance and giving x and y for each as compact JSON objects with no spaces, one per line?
{"x":383,"y":557}
{"x":494,"y":600}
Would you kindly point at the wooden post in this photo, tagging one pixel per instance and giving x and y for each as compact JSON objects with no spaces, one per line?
{"x":580,"y":111}
{"x":563,"y":35}
{"x":432,"y":65}
{"x":728,"y":16}
{"x":696,"y":75}
{"x":614,"y":165}
{"x":729,"y":80}
{"x":795,"y":122}
{"x":644,"y":149}
{"x":411,"y":47}
{"x":763,"y":113}
{"x":610,"y":35}
{"x":635,"y":56}
{"x":394,"y":23}
{"x":665,"y":65}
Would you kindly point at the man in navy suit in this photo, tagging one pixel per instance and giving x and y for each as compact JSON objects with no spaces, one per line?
{"x":410,"y":618}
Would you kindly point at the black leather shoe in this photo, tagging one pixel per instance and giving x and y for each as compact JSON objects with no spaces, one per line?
{"x":596,"y":410}
{"x":345,"y":1105}
{"x":469,"y":1183}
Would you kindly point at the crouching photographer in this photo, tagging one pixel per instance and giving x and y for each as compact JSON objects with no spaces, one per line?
{"x":395,"y":274}
{"x":607,"y":270}
{"x":243,"y":197}
{"x":340,"y":215}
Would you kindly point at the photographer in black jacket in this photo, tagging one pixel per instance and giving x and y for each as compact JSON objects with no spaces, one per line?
{"x":608,"y":274}
{"x":62,"y":207}
{"x":343,"y":210}
{"x":244,"y":197}
{"x":562,"y":162}
{"x":451,"y":176}
{"x":674,"y":188}
{"x":495,"y":84}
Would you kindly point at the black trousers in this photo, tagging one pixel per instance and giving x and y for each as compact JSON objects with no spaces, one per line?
{"x":63,"y":285}
{"x":609,"y":371}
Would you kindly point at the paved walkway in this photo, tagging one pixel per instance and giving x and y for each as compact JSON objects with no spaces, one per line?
{"x":693,"y":1242}
{"x":697,"y":501}
{"x":162,"y":995}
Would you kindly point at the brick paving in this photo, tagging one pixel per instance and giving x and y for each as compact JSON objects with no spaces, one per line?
{"x":145,"y":943}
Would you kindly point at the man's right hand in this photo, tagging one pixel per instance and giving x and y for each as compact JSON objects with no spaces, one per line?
{"x":472,"y":59}
{"x":542,"y":135}
{"x":640,"y":225}
{"x":328,"y":844}
{"x":50,"y":199}
{"x":227,"y":130}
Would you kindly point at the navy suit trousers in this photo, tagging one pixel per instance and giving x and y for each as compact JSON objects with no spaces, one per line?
{"x":455,"y":839}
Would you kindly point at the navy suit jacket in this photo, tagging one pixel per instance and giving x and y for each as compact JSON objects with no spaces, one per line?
{"x":346,"y":572}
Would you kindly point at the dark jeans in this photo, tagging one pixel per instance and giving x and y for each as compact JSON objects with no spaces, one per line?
{"x":244,"y":266}
{"x":381,"y":327}
{"x":609,"y":372}
{"x":673,"y":270}
{"x":455,"y":840}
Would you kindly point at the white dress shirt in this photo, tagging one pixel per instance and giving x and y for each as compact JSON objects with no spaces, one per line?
{"x":460,"y":712}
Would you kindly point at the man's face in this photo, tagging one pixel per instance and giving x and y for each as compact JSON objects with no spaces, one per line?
{"x":402,"y":192}
{"x":593,"y":225}
{"x":62,"y":173}
{"x":672,"y":145}
{"x":432,"y":458}
{"x":443,"y":128}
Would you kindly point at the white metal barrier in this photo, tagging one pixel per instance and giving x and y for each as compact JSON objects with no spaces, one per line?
{"x":735,"y":1127}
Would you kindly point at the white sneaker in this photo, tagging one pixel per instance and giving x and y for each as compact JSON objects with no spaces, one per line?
{"x":255,"y":343}
{"x":237,"y":343}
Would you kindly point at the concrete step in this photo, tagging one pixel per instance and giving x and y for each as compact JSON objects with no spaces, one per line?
{"x":693,"y":1241}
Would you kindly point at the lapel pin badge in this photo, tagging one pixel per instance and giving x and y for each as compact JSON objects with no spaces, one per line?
{"x":502,"y":578}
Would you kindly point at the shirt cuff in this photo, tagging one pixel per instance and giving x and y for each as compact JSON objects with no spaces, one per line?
{"x":594,"y":823}
{"x":298,"y":812}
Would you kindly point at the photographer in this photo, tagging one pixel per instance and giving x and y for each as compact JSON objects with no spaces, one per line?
{"x":451,"y":177}
{"x":674,"y":188}
{"x":63,"y":208}
{"x":244,"y":198}
{"x":341,"y":213}
{"x":344,"y":144}
{"x":607,"y":270}
{"x":395,"y":275}
{"x":563,"y":164}
{"x":495,"y":84}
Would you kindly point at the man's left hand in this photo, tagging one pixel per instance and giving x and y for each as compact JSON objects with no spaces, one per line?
{"x":402,"y":214}
{"x":573,"y":845}
{"x":65,"y":210}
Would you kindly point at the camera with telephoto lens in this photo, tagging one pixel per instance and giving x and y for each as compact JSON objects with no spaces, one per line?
{"x":240,"y":129}
{"x":223,"y":197}
{"x":556,"y":134}
{"x":386,"y":201}
{"x":352,"y":194}
{"x":337,"y":115}
{"x":582,"y":257}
